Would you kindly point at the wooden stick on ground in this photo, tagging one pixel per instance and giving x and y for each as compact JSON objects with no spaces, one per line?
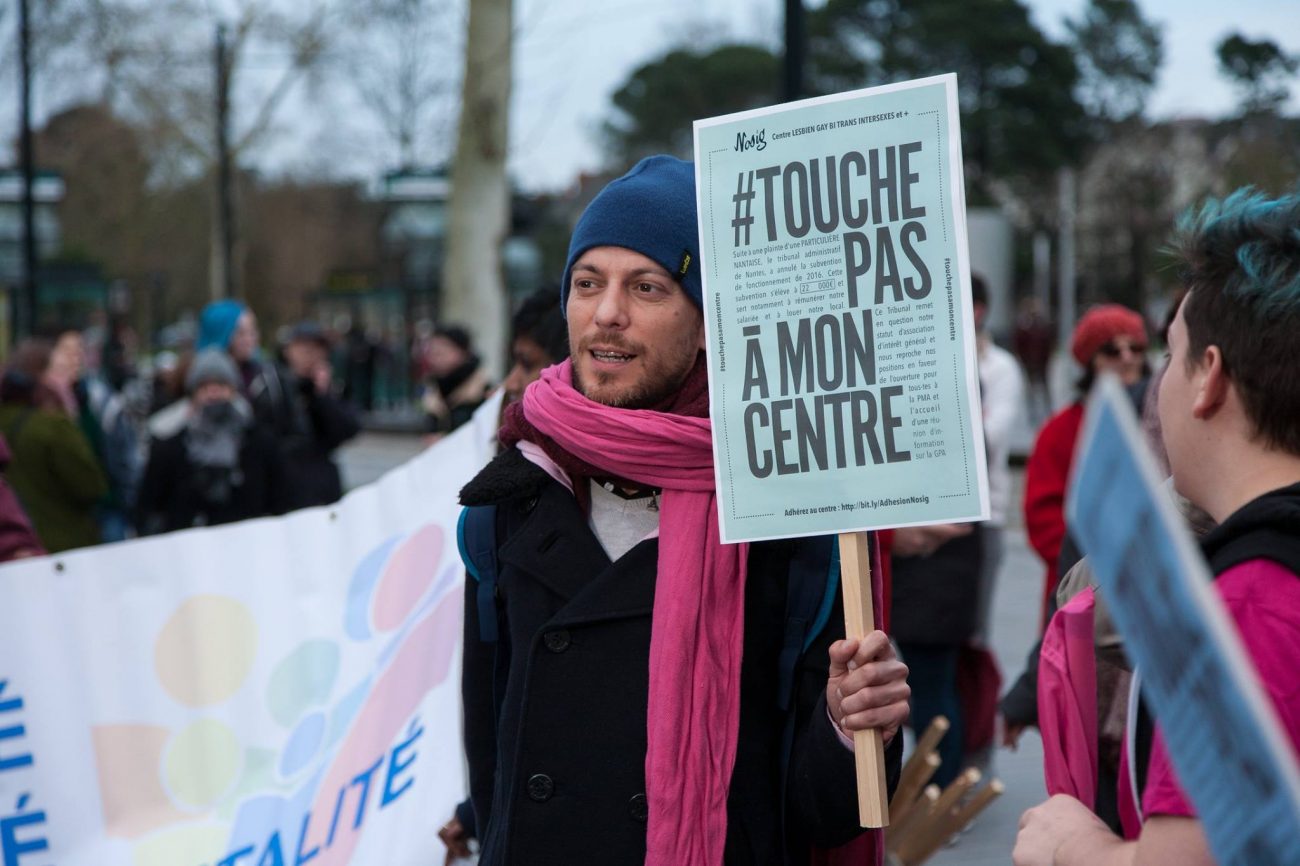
{"x":957,"y":819}
{"x":919,"y":768}
{"x":921,"y":834}
{"x":909,"y":786}
{"x":859,"y":621}
{"x":929,"y":741}
{"x":919,"y":813}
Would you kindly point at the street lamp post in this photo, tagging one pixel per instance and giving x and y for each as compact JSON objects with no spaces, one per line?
{"x":792,"y":84}
{"x":24,"y":307}
{"x":224,"y":284}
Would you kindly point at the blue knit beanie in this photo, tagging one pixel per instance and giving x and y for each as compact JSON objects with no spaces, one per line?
{"x":217,"y":324}
{"x":651,"y":211}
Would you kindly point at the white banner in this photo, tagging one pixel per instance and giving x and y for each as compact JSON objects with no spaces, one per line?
{"x":272,"y":693}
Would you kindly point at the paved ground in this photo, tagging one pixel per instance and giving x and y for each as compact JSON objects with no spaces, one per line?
{"x":1015,"y":619}
{"x":370,"y":455}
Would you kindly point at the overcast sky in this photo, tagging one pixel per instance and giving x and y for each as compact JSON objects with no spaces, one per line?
{"x":572,"y":55}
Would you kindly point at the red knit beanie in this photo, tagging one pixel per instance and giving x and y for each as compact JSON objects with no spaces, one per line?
{"x":1102,"y":324}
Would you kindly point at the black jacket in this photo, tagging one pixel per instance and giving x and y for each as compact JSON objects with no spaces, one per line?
{"x":559,"y":777}
{"x":175,"y":493}
{"x":308,"y":426}
{"x":935,"y":597}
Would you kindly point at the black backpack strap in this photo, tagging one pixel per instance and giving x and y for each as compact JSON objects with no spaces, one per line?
{"x":476,"y":535}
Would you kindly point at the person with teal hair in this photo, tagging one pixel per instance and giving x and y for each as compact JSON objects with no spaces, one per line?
{"x":217,"y":324}
{"x":231,"y":327}
{"x":1229,"y":407}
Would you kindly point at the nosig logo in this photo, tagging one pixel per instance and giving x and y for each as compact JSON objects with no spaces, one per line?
{"x":751,"y":141}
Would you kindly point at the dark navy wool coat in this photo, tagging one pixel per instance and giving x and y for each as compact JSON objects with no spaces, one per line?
{"x":555,"y":711}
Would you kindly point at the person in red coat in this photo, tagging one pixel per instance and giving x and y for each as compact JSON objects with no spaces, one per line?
{"x":1109,"y":338}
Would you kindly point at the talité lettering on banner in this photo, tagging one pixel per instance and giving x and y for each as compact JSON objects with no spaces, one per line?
{"x":1223,"y":736}
{"x":843,"y":387}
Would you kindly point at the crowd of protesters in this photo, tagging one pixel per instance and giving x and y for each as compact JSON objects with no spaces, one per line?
{"x":91,"y":453}
{"x":98,"y":447}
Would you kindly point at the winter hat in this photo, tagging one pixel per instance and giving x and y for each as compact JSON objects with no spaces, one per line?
{"x":211,"y":365}
{"x":1102,"y":324}
{"x":217,"y":324}
{"x":651,"y":211}
{"x":309,"y":332}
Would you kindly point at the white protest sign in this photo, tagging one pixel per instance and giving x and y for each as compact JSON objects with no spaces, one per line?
{"x":1223,"y":735}
{"x":277,"y":692}
{"x":843,"y":387}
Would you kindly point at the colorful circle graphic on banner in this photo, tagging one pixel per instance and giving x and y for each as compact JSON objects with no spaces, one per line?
{"x":205,"y":650}
{"x":304,"y":743}
{"x":187,"y":844}
{"x":201,"y":763}
{"x":362,"y":588}
{"x":338,"y":707}
{"x":302,"y":680}
{"x":407,"y":577}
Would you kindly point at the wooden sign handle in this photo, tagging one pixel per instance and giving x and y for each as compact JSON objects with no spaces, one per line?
{"x":859,"y":621}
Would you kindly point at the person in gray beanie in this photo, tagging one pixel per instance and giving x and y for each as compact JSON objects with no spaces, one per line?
{"x":211,"y":367}
{"x":220,"y":467}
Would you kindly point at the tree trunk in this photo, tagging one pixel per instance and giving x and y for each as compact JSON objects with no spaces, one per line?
{"x":473,"y":284}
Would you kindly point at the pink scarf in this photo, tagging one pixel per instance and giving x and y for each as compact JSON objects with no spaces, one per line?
{"x":698,"y":626}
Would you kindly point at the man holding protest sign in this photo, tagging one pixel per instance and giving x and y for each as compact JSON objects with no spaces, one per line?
{"x":633,"y":686}
{"x":1229,"y":405}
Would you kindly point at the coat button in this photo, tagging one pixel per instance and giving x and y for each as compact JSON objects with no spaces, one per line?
{"x":540,"y":788}
{"x":638,"y":809}
{"x":557,"y":641}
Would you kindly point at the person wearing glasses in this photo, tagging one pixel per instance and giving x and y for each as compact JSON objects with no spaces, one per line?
{"x":1109,"y":338}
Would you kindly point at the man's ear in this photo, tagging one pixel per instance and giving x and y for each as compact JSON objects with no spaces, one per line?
{"x":1212,"y":384}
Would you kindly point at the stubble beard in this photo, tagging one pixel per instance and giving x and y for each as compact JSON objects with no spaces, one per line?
{"x":656,"y":386}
